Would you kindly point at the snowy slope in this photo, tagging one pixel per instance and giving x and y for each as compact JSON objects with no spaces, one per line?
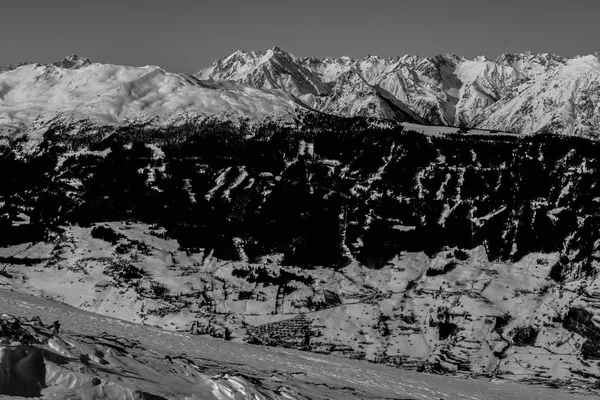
{"x":271,"y":69}
{"x":566,"y":101}
{"x":331,"y":86}
{"x":353,"y":96}
{"x":377,"y":315}
{"x":32,"y":95}
{"x":96,"y":356}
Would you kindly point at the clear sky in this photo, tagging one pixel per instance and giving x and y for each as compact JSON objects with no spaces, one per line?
{"x":187,"y":35}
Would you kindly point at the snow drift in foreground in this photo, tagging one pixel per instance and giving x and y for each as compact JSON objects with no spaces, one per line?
{"x":96,"y":356}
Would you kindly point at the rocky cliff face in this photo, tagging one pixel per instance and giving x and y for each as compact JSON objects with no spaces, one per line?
{"x":466,"y":253}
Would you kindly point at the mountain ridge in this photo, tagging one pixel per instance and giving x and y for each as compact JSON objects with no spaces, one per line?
{"x":74,"y":90}
{"x":444,"y":89}
{"x":517,"y":92}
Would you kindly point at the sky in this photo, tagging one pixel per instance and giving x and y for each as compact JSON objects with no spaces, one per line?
{"x":188,"y":35}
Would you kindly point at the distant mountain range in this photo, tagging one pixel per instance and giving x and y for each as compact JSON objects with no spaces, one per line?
{"x":75,"y":91}
{"x":521,"y":92}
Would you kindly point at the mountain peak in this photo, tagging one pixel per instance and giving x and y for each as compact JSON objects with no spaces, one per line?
{"x":279,"y":54}
{"x":451,"y":57}
{"x":72,"y":61}
{"x":481,"y":58}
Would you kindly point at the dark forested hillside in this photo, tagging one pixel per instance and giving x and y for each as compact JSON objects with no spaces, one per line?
{"x":334,"y":190}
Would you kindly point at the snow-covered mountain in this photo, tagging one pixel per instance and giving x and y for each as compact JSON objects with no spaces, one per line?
{"x":349,"y":95}
{"x":353,"y":96}
{"x":522,"y":92}
{"x":565,"y":100}
{"x":272,"y":69}
{"x":519,"y":92}
{"x":74,"y":89}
